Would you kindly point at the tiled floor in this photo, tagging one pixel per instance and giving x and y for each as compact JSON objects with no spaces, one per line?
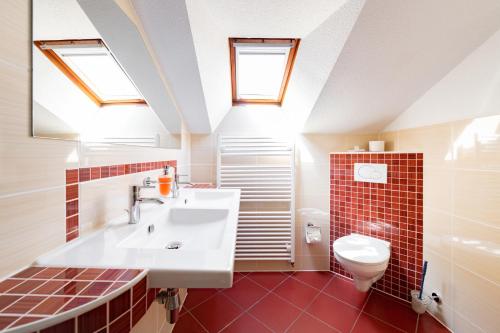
{"x":301,"y":302}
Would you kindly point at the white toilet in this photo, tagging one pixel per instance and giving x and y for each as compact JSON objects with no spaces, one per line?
{"x":365,"y":257}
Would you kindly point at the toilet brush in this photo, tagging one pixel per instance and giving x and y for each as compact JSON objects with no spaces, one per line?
{"x":424,"y":271}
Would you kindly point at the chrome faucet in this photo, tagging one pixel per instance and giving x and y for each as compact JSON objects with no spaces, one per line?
{"x":176,"y":183}
{"x":135,"y":200}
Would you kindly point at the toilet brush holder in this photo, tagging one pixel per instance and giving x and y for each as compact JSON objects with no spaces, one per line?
{"x":419,"y":305}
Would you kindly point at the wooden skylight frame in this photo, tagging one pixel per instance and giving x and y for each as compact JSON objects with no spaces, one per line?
{"x":44,"y":47}
{"x":294,"y":45}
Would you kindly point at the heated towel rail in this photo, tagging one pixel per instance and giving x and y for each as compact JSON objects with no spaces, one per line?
{"x":263,"y":168}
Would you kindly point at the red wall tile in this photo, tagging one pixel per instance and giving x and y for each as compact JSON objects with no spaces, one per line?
{"x":84,"y":174}
{"x":71,"y":192}
{"x":119,"y":305}
{"x":392,"y":211}
{"x":92,"y":320}
{"x":71,"y":176}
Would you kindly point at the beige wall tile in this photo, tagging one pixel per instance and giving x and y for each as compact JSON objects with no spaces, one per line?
{"x":30,"y":225}
{"x":359,"y":140}
{"x":463,"y":325}
{"x":476,"y":299}
{"x":476,"y":143}
{"x":438,"y":232}
{"x":391,"y":140}
{"x":477,"y":248}
{"x":433,"y":141}
{"x":106,"y":199}
{"x":477,"y":196}
{"x":438,"y":188}
{"x":15,"y":16}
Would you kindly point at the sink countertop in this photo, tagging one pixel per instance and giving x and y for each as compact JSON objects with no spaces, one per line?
{"x":187,"y":267}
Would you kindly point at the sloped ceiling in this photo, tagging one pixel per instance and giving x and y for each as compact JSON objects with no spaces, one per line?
{"x":359,"y":64}
{"x":395,"y":53}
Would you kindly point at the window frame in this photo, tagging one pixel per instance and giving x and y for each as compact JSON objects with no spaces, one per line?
{"x":286,"y":74}
{"x":70,"y":74}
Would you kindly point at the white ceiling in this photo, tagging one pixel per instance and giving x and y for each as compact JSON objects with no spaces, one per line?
{"x":358,"y":67}
{"x":395,"y":53}
{"x":270,"y":18}
{"x":166,"y":24}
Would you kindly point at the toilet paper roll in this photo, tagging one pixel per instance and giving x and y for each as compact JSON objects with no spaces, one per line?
{"x":313,"y":234}
{"x":376,"y":146}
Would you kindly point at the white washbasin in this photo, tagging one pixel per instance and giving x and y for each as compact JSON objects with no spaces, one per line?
{"x":182,"y":229}
{"x":192,"y":245}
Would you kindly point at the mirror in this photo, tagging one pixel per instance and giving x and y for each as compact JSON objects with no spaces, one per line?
{"x":91,"y":84}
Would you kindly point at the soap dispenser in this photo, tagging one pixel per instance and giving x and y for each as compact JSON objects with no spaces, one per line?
{"x":165,"y":181}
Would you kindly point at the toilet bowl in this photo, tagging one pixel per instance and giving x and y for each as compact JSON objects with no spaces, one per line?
{"x":365,"y":257}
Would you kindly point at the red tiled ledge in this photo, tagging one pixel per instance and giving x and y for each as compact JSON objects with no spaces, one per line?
{"x":79,"y":300}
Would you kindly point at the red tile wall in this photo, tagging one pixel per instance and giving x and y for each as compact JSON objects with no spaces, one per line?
{"x":392,"y":211}
{"x":76,"y":176}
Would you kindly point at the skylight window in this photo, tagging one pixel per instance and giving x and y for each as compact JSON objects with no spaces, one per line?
{"x":90,"y":65}
{"x":260,"y":69}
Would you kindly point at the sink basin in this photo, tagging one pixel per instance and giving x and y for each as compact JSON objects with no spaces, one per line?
{"x":188,"y":242}
{"x":182,"y":229}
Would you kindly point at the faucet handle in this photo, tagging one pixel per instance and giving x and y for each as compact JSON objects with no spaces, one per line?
{"x":146,"y":183}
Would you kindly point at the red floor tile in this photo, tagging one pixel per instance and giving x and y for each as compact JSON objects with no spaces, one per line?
{"x":296,"y":292}
{"x":245,"y":293}
{"x":216,"y":313}
{"x":237,"y":276}
{"x":197,"y":296}
{"x":334,"y":312}
{"x":187,"y":324}
{"x":268,"y":280}
{"x":390,"y":310}
{"x":246,"y":324}
{"x":307,"y":323}
{"x":369,"y":324}
{"x":275,"y":313}
{"x":346,"y":291}
{"x":428,"y":324}
{"x":315,"y":279}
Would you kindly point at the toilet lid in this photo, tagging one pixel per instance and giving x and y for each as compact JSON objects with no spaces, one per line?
{"x":362,"y":249}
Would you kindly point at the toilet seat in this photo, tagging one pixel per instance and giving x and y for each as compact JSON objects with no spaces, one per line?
{"x":362,"y":249}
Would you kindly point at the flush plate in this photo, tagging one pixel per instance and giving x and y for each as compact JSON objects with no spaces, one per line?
{"x":370,"y":173}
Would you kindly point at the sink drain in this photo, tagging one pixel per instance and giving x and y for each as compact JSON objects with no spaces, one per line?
{"x":175,"y":245}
